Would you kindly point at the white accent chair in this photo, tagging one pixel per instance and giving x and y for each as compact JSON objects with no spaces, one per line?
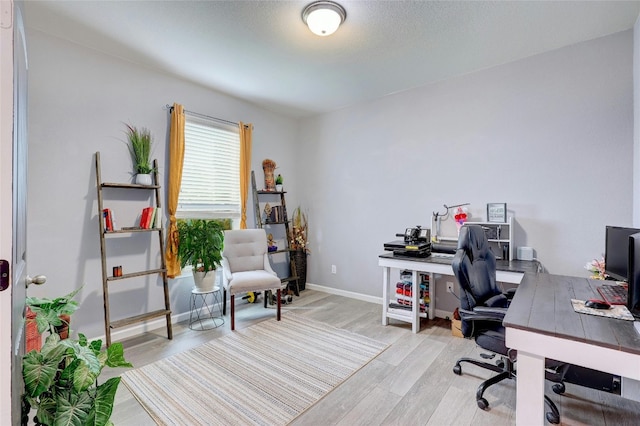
{"x":245,"y":267}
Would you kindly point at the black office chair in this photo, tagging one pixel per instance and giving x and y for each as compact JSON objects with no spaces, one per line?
{"x":482,"y":309}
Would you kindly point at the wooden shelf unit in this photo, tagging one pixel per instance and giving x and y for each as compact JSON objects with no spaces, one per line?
{"x":107,"y":279}
{"x":292,"y":279}
{"x":499,"y":236}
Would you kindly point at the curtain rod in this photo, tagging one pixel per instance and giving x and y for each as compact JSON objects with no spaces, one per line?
{"x":197,"y":114}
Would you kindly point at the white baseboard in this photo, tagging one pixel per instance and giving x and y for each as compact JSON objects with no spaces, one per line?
{"x":144,"y":327}
{"x":349,"y":294}
{"x":365,"y":298}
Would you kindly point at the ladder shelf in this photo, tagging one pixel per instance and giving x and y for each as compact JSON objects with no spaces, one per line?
{"x":131,"y":231}
{"x":291,"y":280}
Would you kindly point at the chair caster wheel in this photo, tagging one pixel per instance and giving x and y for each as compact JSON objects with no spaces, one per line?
{"x":553,"y":418}
{"x":483,"y":404}
{"x":457,"y":370}
{"x":559,"y":388}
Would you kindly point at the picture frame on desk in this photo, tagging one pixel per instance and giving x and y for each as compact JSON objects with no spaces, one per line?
{"x":497,"y":212}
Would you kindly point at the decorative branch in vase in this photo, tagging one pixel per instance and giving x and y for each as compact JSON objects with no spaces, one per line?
{"x":299,"y":242}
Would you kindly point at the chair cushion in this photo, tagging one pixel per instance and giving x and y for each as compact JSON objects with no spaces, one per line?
{"x":492,"y":340}
{"x":241,"y":282}
{"x":245,"y":249}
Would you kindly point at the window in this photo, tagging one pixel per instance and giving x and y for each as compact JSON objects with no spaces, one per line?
{"x":211,"y":171}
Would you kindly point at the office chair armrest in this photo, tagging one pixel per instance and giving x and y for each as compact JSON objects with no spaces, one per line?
{"x":483,"y":313}
{"x":497,"y":301}
{"x":510,"y":293}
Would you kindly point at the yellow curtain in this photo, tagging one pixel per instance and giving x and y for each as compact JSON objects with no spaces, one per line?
{"x":176,"y":159}
{"x":245,"y":169}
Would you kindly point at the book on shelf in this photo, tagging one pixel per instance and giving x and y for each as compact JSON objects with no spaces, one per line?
{"x":277,"y":214}
{"x":151,"y":218}
{"x":145,"y":217}
{"x":142,"y":217}
{"x":158,"y":222}
{"x":108,"y":220}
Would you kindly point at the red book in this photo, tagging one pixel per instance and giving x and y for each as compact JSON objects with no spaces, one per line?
{"x":144,"y":217}
{"x":152,"y":216}
{"x":108,"y":222}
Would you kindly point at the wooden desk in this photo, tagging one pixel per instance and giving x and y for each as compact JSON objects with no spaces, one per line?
{"x":541,"y":323}
{"x":507,"y":271}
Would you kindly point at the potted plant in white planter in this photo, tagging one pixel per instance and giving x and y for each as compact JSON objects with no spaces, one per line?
{"x":200,"y":245}
{"x":279,"y":183}
{"x":140,"y":148}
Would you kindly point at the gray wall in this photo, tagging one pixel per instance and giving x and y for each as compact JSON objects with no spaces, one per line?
{"x":636,"y":124}
{"x":550,"y":135}
{"x":78,"y":102}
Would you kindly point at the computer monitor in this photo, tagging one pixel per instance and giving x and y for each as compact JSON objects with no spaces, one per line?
{"x":616,"y":255}
{"x":633,"y":295}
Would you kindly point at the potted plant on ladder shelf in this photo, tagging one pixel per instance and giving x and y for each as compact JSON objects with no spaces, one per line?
{"x":140,"y":148}
{"x":200,"y":245}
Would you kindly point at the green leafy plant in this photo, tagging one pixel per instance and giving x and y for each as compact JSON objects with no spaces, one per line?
{"x":49,"y":311}
{"x":279,"y":179}
{"x":61,"y":382}
{"x":200,"y":244}
{"x":140,"y":148}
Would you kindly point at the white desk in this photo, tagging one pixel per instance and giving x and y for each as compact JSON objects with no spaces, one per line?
{"x":541,"y":323}
{"x":507,"y":271}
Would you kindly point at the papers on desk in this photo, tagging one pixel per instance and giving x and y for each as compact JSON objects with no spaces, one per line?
{"x":616,"y":311}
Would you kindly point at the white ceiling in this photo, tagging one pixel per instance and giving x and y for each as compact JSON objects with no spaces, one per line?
{"x":262,"y":52}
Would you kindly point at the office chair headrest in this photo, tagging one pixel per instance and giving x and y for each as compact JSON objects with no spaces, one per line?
{"x":473,"y":241}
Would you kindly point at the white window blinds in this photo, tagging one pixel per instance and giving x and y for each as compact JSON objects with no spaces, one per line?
{"x":210,"y":186}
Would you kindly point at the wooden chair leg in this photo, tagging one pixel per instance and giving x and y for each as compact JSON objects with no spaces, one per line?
{"x":279,"y":304}
{"x":233,"y":312}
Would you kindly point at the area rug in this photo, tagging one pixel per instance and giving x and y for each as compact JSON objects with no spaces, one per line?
{"x":266,"y":374}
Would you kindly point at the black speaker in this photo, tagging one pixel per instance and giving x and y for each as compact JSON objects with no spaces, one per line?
{"x":593,"y":379}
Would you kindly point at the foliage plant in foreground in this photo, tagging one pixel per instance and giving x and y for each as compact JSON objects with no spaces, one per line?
{"x":61,"y":382}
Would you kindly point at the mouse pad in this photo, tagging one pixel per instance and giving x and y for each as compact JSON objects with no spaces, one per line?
{"x":616,"y":311}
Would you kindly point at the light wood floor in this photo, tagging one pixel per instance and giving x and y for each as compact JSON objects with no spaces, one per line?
{"x":411,"y":383}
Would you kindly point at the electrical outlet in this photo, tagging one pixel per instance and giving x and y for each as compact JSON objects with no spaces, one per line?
{"x":449,"y":287}
{"x":333,"y":269}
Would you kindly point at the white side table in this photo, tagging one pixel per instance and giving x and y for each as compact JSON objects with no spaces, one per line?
{"x":205,"y":314}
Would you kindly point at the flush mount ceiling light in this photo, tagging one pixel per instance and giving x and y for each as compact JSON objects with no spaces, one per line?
{"x":323,"y":17}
